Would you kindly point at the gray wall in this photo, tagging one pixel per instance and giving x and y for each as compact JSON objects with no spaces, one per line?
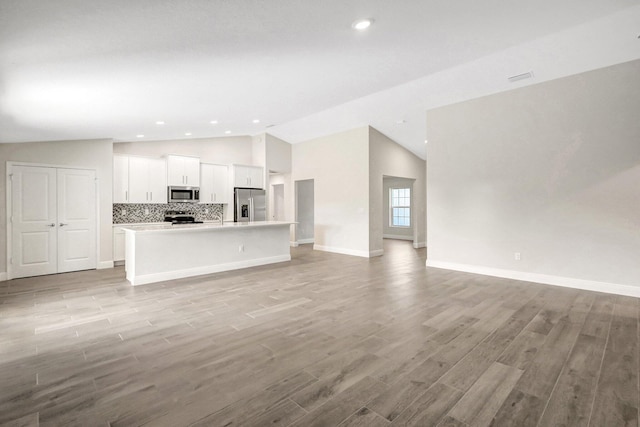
{"x":304,"y":207}
{"x":551,"y":171}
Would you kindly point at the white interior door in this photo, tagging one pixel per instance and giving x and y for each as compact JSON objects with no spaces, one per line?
{"x":53,"y":220}
{"x":76,"y":219}
{"x":33,"y":221}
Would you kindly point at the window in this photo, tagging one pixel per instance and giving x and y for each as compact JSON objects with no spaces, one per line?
{"x":400,"y":207}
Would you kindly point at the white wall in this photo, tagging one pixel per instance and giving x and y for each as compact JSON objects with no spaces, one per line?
{"x":225,"y":151}
{"x":551,"y":171}
{"x":90,"y":154}
{"x":278,"y":154}
{"x":339,"y":166}
{"x":387,"y":158}
{"x":389,"y":232}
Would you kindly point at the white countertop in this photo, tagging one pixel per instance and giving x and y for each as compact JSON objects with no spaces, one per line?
{"x":207,"y":226}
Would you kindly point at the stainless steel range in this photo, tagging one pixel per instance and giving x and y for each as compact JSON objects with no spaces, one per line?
{"x":180,"y":217}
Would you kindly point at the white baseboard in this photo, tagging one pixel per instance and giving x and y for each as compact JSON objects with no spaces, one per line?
{"x":104,"y":264}
{"x":3,"y":276}
{"x":420,"y":245}
{"x":144,"y":279}
{"x":396,"y":237}
{"x":305,"y":241}
{"x":567,"y":282}
{"x":343,"y":251}
{"x":378,"y":252}
{"x":293,"y":244}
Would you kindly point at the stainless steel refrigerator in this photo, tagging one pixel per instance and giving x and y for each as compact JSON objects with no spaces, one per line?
{"x":250,"y":204}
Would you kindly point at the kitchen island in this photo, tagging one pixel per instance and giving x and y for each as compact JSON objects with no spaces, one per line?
{"x":155,"y":253}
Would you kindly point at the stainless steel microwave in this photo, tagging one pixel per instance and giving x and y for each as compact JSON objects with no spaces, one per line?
{"x":183,"y":194}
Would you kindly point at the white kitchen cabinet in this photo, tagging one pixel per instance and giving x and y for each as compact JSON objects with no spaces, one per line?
{"x":118,"y":244}
{"x":147,"y":180}
{"x":214,"y":182}
{"x":248,"y":176}
{"x":120,"y":179}
{"x":183,"y":171}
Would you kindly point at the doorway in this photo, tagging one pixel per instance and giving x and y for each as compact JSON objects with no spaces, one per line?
{"x":52,"y":220}
{"x":305,"y":212}
{"x":278,"y":202}
{"x":398,"y":209}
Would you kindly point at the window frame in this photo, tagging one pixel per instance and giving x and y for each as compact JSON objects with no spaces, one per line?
{"x":399,"y":206}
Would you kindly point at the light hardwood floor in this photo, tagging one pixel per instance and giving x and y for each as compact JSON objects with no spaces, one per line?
{"x":323,"y":340}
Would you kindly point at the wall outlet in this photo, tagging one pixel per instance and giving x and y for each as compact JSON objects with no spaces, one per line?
{"x":206,"y":211}
{"x":241,"y":248}
{"x":146,"y":211}
{"x":123,"y":212}
{"x":516,"y":256}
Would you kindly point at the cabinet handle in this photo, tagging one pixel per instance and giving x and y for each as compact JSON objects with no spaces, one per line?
{"x":51,"y":225}
{"x":214,"y":197}
{"x":62,"y":224}
{"x":151,"y":196}
{"x":186,"y":180}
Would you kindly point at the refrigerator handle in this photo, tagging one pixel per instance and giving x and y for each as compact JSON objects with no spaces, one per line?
{"x":251,"y":209}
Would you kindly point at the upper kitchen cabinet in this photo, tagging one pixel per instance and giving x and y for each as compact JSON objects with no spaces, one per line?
{"x":214,"y":182}
{"x":120,"y":179}
{"x":147,"y":180}
{"x":248,"y":176}
{"x":183,"y":171}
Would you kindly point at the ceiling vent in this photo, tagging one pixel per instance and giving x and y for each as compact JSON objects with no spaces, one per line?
{"x":519,"y":77}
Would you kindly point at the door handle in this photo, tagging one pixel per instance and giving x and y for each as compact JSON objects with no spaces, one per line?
{"x":62,"y":224}
{"x":51,"y":225}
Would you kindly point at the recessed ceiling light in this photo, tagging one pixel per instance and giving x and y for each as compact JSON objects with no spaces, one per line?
{"x":227,"y":132}
{"x":187,"y":134}
{"x":362,"y":24}
{"x":159,"y":122}
{"x":214,"y":122}
{"x":140,"y":136}
{"x":256,"y":121}
{"x":425,"y":141}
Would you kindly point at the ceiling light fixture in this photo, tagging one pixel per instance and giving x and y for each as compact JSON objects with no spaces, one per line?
{"x":256,"y":121}
{"x":140,"y":136}
{"x":227,"y":132}
{"x":187,"y":134}
{"x":159,"y":122}
{"x":214,"y":122}
{"x":362,"y":24}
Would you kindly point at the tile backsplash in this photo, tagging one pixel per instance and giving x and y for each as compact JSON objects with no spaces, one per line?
{"x":131,"y":213}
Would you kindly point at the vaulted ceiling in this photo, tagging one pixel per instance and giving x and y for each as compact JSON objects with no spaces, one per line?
{"x":80,"y":69}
